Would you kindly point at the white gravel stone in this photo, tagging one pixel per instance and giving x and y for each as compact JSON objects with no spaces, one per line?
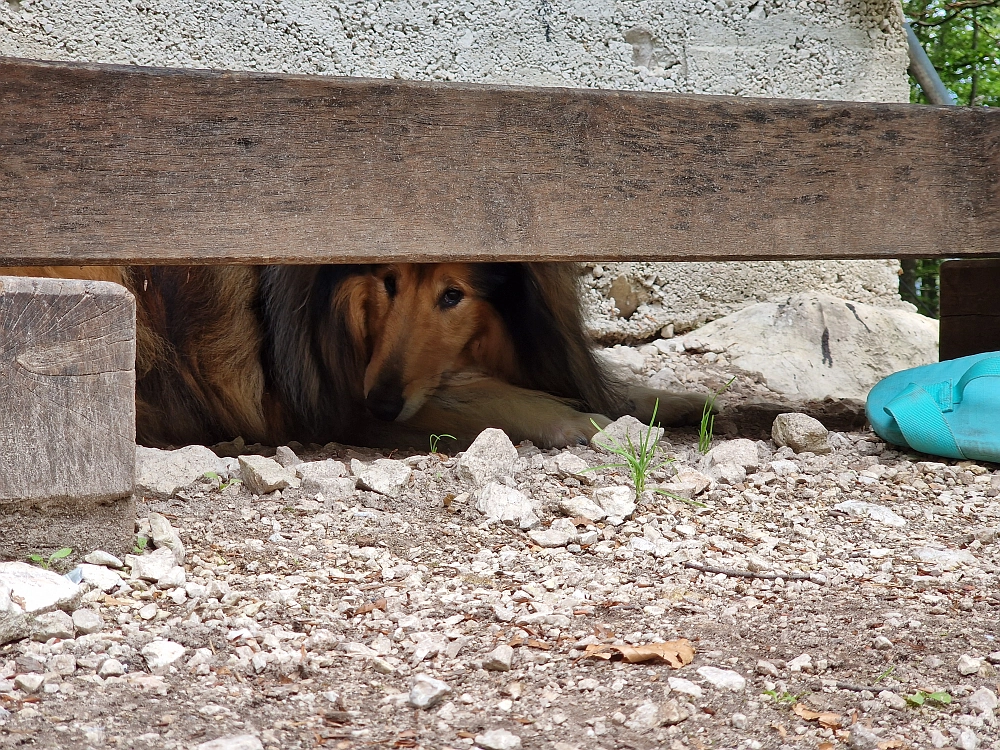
{"x":164,"y":535}
{"x":232,"y":742}
{"x":427,"y":691}
{"x":499,"y":659}
{"x":153,"y":566}
{"x":498,"y":739}
{"x":618,"y":502}
{"x":688,"y":476}
{"x":559,"y":534}
{"x":159,"y":655}
{"x":725,"y":679}
{"x":801,"y":433}
{"x":741,"y":452}
{"x":982,"y":701}
{"x":967,"y":739}
{"x":31,"y":589}
{"x":173,"y":578}
{"x":967,"y":665}
{"x":29,"y":683}
{"x":801,"y":663}
{"x":739,"y":721}
{"x":568,"y":464}
{"x":100,"y":557}
{"x":286,"y":457}
{"x":111,"y":668}
{"x":385,"y":476}
{"x":727,"y":474}
{"x":863,"y":738}
{"x":87,"y":621}
{"x":263,"y":475}
{"x":505,"y":504}
{"x":327,"y":477}
{"x":945,"y":559}
{"x":623,"y":430}
{"x":680,"y":685}
{"x":582,"y":507}
{"x":783,"y":467}
{"x":893,"y":700}
{"x":491,"y":457}
{"x":56,"y":624}
{"x":161,"y":472}
{"x":101,"y":577}
{"x":877,"y":513}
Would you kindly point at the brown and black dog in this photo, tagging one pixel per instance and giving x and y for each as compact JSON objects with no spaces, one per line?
{"x":378,"y":355}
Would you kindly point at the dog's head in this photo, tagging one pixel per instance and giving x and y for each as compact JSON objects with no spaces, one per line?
{"x":423,"y":321}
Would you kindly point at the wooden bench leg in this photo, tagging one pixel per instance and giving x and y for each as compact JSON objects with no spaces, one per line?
{"x":67,"y":416}
{"x":970,"y":307}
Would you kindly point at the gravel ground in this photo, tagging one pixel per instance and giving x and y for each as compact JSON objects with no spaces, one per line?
{"x":823,"y":596}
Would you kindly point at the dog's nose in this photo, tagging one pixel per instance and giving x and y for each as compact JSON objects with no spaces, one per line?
{"x":385,"y":402}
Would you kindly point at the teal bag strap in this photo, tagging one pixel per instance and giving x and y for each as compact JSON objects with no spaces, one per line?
{"x":984,"y":368}
{"x":919,"y":418}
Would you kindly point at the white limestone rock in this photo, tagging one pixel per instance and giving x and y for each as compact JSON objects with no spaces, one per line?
{"x":160,"y":472}
{"x":801,"y":433}
{"x":160,"y":655}
{"x":505,"y":504}
{"x":328,"y":478}
{"x":623,"y":430}
{"x":618,"y":502}
{"x":164,"y":535}
{"x":386,"y":476}
{"x":151,"y":567}
{"x":740,"y":452}
{"x":27,"y":589}
{"x":427,"y":691}
{"x":263,"y":475}
{"x":813,"y":345}
{"x":878,"y":513}
{"x":491,"y":457}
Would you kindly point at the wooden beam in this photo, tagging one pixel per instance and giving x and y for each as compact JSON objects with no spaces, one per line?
{"x":110,"y":165}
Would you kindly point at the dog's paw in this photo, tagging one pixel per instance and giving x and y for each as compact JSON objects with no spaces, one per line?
{"x":672,"y":409}
{"x":575,"y":429}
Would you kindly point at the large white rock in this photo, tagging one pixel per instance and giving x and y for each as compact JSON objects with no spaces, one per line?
{"x":741,"y":452}
{"x":232,"y":742}
{"x":164,"y":472}
{"x":490,"y":457}
{"x":25,"y":588}
{"x":326,"y":477}
{"x":264,"y":475}
{"x":625,"y":430}
{"x":618,"y":502}
{"x":151,"y":567}
{"x":502,"y":503}
{"x":801,"y":433}
{"x":159,"y":655}
{"x":427,"y":691}
{"x":385,"y":476}
{"x":813,"y":345}
{"x":164,"y":535}
{"x":498,"y":739}
{"x":875,"y":512}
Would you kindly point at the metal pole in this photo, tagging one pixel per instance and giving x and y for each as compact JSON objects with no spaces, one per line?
{"x":922,"y":69}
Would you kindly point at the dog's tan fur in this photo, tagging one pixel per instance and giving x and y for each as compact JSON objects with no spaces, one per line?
{"x":313,"y":353}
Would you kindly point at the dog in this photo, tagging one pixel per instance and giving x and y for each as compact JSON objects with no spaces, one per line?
{"x":376,"y":355}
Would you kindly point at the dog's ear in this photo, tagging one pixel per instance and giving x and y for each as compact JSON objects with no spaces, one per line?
{"x":540,"y":306}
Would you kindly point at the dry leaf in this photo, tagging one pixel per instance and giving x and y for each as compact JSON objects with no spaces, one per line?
{"x":367,"y":607}
{"x":827,"y":719}
{"x":515,"y":641}
{"x":825,"y":746}
{"x":889,"y":744}
{"x":781,"y":729}
{"x":110,"y":601}
{"x":675,"y":653}
{"x":534,"y":643}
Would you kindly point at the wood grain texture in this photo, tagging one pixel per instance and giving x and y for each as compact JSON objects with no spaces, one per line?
{"x":116,"y":165}
{"x":67,"y":413}
{"x":970,"y":307}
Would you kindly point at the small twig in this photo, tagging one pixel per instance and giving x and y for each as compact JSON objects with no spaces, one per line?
{"x":871,"y":688}
{"x":747,"y":573}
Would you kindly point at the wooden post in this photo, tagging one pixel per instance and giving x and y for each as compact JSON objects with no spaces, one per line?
{"x":970,"y":308}
{"x":67,"y":416}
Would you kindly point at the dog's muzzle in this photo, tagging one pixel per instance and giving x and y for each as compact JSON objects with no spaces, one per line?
{"x":385,"y":401}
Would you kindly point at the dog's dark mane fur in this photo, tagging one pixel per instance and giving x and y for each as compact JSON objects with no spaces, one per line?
{"x":310,"y":362}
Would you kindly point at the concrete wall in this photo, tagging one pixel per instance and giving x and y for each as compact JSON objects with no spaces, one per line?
{"x":824,"y":49}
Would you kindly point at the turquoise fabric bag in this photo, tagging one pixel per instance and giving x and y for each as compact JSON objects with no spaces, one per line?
{"x":947,"y":409}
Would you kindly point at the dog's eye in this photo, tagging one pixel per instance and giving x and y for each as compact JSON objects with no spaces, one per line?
{"x":451,"y":297}
{"x":390,"y":285}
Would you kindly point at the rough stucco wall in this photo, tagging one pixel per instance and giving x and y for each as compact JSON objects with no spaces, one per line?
{"x":833,"y":49}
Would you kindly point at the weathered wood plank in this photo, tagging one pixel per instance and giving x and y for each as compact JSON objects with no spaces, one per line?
{"x":970,"y":307}
{"x":104,"y":164}
{"x":67,"y":416}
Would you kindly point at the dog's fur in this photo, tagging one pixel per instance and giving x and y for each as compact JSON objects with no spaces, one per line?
{"x":380,"y":355}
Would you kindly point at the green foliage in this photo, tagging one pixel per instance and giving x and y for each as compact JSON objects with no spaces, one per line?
{"x":141,"y":543}
{"x":920,"y":284}
{"x":919,"y":698}
{"x":708,"y":419}
{"x":639,"y":460}
{"x":435,"y":439}
{"x":48,"y":562}
{"x":962,"y":40}
{"x":217,"y":480}
{"x":783,"y":699}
